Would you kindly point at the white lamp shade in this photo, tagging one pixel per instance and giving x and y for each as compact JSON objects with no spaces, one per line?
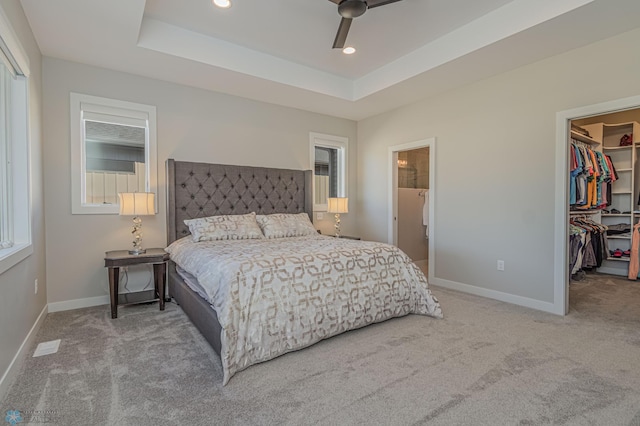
{"x":137,"y":203}
{"x":338,"y":205}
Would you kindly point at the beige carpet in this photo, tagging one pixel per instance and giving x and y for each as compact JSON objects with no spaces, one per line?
{"x":486,"y":363}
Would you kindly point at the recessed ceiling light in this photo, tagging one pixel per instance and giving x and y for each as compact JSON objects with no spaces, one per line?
{"x":349,"y":50}
{"x":222,"y":3}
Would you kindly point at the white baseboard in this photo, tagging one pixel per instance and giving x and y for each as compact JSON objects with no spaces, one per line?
{"x":67,"y":305}
{"x":498,"y":295}
{"x":16,"y":362}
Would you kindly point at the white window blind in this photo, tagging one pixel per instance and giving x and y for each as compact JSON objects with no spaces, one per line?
{"x":7,"y":74}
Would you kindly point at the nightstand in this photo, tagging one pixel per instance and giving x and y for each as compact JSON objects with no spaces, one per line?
{"x":114,"y":260}
{"x":346,"y":237}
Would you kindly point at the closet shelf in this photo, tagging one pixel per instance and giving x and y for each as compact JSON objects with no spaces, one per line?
{"x":624,"y":170}
{"x":616,"y":215}
{"x":616,"y":148}
{"x":619,"y":237}
{"x":620,"y":192}
{"x":584,"y":212}
{"x":583,"y":138}
{"x":619,"y":259}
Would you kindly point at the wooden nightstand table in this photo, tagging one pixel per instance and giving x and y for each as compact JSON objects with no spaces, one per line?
{"x":116,"y":259}
{"x":346,"y":237}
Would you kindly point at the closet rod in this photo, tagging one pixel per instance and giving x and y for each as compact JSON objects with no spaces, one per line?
{"x":581,"y":144}
{"x":584,"y":212}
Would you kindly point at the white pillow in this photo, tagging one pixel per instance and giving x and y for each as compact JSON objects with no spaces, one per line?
{"x":224,"y":227}
{"x":281,"y":225}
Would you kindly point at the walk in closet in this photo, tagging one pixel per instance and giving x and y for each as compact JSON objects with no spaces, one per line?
{"x":604,"y":192}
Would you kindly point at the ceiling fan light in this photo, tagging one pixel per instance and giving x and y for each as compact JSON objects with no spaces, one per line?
{"x":349,"y":50}
{"x":352,"y":8}
{"x":222,"y":3}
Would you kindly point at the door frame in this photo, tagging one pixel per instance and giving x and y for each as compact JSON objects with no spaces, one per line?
{"x":561,"y":276}
{"x":392,"y":191}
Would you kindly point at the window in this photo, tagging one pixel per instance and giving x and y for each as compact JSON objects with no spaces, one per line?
{"x":113,"y":151}
{"x":329,"y":162}
{"x":15,"y":208}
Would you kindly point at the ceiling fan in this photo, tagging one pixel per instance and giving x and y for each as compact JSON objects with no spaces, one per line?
{"x":350,"y":9}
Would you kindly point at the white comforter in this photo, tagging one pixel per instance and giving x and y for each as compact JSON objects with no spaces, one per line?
{"x":279,"y":295}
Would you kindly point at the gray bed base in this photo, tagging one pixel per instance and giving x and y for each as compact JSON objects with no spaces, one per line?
{"x":202,"y":190}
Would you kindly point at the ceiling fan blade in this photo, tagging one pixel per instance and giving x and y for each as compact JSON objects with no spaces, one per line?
{"x":341,"y":36}
{"x":376,"y":3}
{"x":336,"y":1}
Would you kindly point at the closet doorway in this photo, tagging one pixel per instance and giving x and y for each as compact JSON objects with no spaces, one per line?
{"x":411,"y":200}
{"x":597,"y":204}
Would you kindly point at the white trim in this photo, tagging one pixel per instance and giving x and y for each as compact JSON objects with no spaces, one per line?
{"x":79,"y":104}
{"x":16,"y":363}
{"x":341,"y":144}
{"x":11,"y":41}
{"x":88,"y":302}
{"x":493,"y":294}
{"x":17,"y":223}
{"x":392,"y":192}
{"x":11,"y":256}
{"x":561,"y":211}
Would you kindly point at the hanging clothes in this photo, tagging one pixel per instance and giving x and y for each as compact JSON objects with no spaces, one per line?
{"x":634,"y":261}
{"x":577,"y":239}
{"x":588,"y":245}
{"x":425,"y":213}
{"x":590,"y":178}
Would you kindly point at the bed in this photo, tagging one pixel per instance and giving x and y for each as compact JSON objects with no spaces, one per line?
{"x":257,"y":298}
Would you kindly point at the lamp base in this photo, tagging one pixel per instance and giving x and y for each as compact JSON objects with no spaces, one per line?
{"x":137,"y":239}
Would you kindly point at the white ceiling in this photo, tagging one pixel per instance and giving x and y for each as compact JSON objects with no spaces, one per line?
{"x":279,"y":51}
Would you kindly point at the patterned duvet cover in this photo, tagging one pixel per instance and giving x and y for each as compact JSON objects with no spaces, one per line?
{"x":274,"y":296}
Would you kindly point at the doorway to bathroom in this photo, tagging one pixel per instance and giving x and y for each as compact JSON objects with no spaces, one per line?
{"x":412,"y":198}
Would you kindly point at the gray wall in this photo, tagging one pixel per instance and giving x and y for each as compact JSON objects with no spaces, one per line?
{"x":494,"y":184}
{"x":19,"y":306}
{"x":194,"y":125}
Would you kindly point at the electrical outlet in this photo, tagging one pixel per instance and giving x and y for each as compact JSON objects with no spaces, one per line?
{"x":500,"y":265}
{"x":319,"y":216}
{"x":36,"y":286}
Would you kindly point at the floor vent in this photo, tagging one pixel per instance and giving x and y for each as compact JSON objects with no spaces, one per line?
{"x":47,"y":348}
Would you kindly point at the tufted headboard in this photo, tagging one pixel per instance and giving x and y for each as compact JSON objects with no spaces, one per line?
{"x":202,"y":189}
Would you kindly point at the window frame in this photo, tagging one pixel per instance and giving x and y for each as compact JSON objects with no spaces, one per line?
{"x":338,"y":143}
{"x":123,"y":112}
{"x":15,"y":170}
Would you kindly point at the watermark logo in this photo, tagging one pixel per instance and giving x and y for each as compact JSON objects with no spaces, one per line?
{"x":13,"y":417}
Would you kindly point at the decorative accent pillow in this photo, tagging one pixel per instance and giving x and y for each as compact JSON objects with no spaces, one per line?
{"x":224,"y":227}
{"x":281,"y":225}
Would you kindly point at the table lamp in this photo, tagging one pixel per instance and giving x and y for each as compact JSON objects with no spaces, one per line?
{"x":338,"y":205}
{"x":137,"y":204}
